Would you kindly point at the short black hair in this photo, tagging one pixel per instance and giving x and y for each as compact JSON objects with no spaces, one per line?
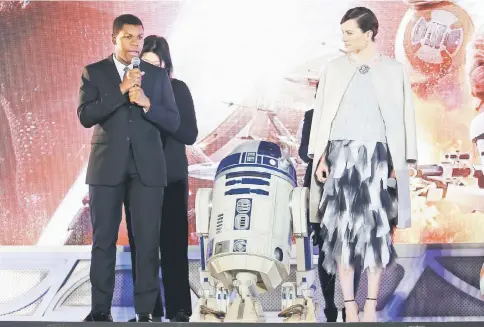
{"x":126,"y":19}
{"x":159,"y":46}
{"x":365,"y":18}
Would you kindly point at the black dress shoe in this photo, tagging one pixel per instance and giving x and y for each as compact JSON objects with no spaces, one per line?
{"x":181,"y":317}
{"x":102,"y":317}
{"x":331,"y":314}
{"x":155,"y":319}
{"x":144,"y":317}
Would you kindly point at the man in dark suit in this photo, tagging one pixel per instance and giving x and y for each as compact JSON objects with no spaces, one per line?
{"x":127,"y":107}
{"x":326,"y":280}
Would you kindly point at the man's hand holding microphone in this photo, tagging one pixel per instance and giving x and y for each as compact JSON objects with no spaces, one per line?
{"x":131,"y":84}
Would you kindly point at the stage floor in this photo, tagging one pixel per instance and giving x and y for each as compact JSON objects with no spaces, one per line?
{"x":427,"y":284}
{"x":120,"y":324}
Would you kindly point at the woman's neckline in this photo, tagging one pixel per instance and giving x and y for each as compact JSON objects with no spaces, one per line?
{"x":364,"y":65}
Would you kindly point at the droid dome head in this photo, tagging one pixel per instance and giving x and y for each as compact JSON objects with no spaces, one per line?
{"x":262,"y":148}
{"x":259,"y":156}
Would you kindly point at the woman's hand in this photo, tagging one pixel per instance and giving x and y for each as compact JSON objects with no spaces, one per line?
{"x":322,"y":171}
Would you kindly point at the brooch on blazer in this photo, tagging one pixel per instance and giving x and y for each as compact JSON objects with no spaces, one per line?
{"x":363,"y":69}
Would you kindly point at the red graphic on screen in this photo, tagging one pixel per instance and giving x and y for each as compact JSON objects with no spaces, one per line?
{"x":44,"y":149}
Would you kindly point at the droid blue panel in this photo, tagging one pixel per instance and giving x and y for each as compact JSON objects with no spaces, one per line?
{"x":250,"y":157}
{"x":243,"y":212}
{"x":269,"y":149}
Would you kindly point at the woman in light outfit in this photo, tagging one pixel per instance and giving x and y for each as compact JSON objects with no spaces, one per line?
{"x":362,"y":137}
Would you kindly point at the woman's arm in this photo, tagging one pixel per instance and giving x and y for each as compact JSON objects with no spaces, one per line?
{"x":188,"y":131}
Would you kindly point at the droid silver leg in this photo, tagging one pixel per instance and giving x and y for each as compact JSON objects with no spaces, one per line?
{"x":209,"y":308}
{"x":212,"y":298}
{"x":297,"y":299}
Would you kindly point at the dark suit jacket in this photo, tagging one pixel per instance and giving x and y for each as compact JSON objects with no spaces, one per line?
{"x":303,"y":147}
{"x":119,"y":125}
{"x":176,"y":158}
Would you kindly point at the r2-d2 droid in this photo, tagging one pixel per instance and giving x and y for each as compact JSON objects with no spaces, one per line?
{"x":245,"y":224}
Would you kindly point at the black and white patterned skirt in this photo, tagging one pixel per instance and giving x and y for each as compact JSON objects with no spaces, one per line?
{"x":356,"y":206}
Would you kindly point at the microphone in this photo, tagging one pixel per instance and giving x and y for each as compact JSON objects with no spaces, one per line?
{"x":392,"y":182}
{"x":135,"y":62}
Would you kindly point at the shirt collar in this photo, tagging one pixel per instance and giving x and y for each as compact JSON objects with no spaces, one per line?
{"x":119,"y":65}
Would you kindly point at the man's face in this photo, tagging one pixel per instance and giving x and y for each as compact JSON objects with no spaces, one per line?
{"x":128,"y":43}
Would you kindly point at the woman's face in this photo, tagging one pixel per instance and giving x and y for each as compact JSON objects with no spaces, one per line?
{"x":353,"y":37}
{"x":152,"y":58}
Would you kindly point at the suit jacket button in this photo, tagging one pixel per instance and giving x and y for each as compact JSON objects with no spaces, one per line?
{"x":128,"y":139}
{"x":130,"y":120}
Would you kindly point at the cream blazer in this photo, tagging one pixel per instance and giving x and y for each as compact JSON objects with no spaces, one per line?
{"x":395,"y":99}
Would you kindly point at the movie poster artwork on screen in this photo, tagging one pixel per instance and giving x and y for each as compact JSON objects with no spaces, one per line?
{"x":252,"y":67}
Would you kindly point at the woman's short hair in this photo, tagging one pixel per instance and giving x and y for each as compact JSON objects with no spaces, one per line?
{"x":159,"y":46}
{"x":365,"y":18}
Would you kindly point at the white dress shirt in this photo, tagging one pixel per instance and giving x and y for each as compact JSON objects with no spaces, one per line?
{"x":120,"y":67}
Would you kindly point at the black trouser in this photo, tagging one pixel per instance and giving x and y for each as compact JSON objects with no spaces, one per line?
{"x":105,"y":206}
{"x":173,"y":242}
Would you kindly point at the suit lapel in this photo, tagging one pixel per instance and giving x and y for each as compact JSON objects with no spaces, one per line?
{"x":111,"y":70}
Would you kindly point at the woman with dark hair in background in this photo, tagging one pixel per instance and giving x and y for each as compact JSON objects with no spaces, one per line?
{"x":362,"y":139}
{"x":174,"y":221}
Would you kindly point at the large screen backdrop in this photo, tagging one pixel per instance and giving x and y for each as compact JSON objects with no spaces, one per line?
{"x":252,"y":67}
